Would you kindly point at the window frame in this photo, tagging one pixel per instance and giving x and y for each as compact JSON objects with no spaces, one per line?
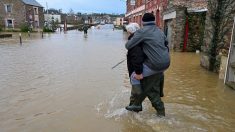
{"x":7,"y":7}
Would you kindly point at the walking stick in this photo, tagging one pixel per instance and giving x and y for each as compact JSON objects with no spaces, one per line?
{"x":118,"y":63}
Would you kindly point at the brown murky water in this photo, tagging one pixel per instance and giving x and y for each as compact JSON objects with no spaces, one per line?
{"x":64,"y":83}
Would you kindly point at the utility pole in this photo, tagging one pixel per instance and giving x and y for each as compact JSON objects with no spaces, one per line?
{"x":47,"y":7}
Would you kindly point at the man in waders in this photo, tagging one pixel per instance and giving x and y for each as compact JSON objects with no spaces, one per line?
{"x":157,"y":60}
{"x":85,"y":28}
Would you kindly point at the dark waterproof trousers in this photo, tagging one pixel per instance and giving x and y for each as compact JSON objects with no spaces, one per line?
{"x":85,"y":31}
{"x":136,"y":91}
{"x":152,"y":86}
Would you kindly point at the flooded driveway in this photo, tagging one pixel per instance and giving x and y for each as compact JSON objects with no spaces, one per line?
{"x":64,"y":83}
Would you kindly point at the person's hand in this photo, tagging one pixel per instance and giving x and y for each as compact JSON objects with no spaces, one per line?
{"x":138,"y":76}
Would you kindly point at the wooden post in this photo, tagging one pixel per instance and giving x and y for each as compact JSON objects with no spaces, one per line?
{"x":29,"y":33}
{"x":20,"y":39}
{"x":42,"y":34}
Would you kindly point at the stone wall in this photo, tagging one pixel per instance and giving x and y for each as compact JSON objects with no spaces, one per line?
{"x":2,"y":12}
{"x":209,"y":29}
{"x":17,"y":14}
{"x":30,"y":12}
{"x":41,"y":17}
{"x":196,"y":31}
{"x":179,"y":28}
{"x":20,"y":13}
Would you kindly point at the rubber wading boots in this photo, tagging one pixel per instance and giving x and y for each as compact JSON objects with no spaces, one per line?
{"x":135,"y":108}
{"x":135,"y":93}
{"x":161,"y":112}
{"x":159,"y":107}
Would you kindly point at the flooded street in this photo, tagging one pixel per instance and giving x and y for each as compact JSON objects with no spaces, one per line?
{"x":64,"y":83}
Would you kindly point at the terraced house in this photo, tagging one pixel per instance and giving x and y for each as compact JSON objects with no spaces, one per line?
{"x":136,"y":9}
{"x":16,"y":13}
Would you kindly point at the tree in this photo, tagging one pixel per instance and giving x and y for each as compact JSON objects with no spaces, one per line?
{"x":71,"y":12}
{"x":54,"y":25}
{"x":221,"y":13}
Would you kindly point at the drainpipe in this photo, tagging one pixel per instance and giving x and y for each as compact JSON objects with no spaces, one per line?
{"x":186,"y":35}
{"x":145,"y":2}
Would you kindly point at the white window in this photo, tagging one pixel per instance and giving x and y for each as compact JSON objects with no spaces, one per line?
{"x":8,"y":8}
{"x":35,"y":11}
{"x":9,"y":23}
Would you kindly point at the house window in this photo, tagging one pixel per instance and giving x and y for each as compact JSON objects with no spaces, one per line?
{"x":35,"y":11}
{"x":9,"y":23}
{"x":36,"y":24}
{"x":8,"y":8}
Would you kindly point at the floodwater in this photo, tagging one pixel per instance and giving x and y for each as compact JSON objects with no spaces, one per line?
{"x":64,"y":83}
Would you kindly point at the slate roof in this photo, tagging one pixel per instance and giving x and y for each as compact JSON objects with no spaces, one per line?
{"x":32,"y":2}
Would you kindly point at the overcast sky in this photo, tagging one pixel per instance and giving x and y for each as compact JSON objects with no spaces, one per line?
{"x":87,"y":6}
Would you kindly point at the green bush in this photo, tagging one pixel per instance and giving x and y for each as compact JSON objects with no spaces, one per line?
{"x":45,"y":29}
{"x":1,"y":28}
{"x":24,"y":28}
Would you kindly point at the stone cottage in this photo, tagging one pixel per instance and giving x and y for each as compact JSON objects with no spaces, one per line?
{"x":16,"y":13}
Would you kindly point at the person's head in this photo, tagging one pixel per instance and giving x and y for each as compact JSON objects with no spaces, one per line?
{"x":132,"y":28}
{"x":148,"y":17}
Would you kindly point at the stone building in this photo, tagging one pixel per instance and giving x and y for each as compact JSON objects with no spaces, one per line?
{"x":181,"y":31}
{"x":52,"y":15}
{"x":16,"y":13}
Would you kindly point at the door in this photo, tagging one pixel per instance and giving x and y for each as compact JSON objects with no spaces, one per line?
{"x":168,"y":33}
{"x":230,"y":72}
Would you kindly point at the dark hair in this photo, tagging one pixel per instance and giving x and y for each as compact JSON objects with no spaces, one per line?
{"x":148,"y":17}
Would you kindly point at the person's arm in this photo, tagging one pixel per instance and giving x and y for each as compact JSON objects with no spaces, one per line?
{"x":135,"y":40}
{"x":137,"y":61}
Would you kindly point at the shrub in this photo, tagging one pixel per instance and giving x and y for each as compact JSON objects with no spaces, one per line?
{"x":46,"y":29}
{"x":1,"y":27}
{"x":25,"y":28}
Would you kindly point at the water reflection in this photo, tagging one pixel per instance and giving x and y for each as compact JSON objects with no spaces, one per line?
{"x":195,"y":100}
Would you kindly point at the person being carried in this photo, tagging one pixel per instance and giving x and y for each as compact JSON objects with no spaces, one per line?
{"x":135,"y":60}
